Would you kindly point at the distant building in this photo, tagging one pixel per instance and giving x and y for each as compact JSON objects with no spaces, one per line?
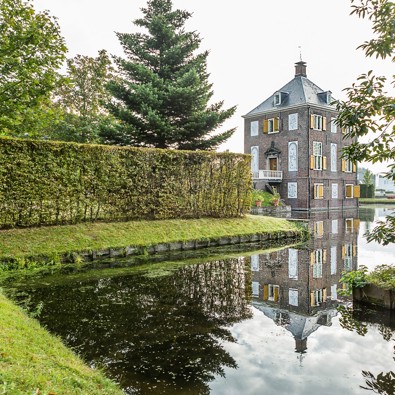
{"x":295,"y":146}
{"x":383,"y":183}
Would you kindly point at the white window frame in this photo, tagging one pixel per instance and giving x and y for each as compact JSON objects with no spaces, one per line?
{"x":255,"y":263}
{"x":316,"y":189}
{"x":293,"y":264}
{"x":292,"y":190}
{"x":318,"y":296}
{"x":317,"y":267}
{"x":290,"y":144}
{"x":277,"y":98}
{"x":317,"y":153}
{"x":319,"y":229}
{"x":255,"y":288}
{"x":270,"y":126}
{"x":335,"y":226}
{"x":349,"y":225}
{"x":271,"y":288}
{"x":318,"y":122}
{"x":349,"y":166}
{"x":333,"y":157}
{"x":333,"y":260}
{"x":333,"y":125}
{"x":254,"y":128}
{"x":293,"y":297}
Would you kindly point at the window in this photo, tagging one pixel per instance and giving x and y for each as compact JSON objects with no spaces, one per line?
{"x":347,"y":256}
{"x":274,"y":292}
{"x":317,"y":155}
{"x":349,"y":191}
{"x":293,"y":156}
{"x":317,"y":258}
{"x":293,"y":121}
{"x":293,"y":297}
{"x":348,"y":167}
{"x":334,"y":292}
{"x":255,"y":161}
{"x":277,"y":98}
{"x":333,"y":125}
{"x":334,"y":226}
{"x":316,"y":297}
{"x":271,"y":125}
{"x":254,"y":128}
{"x":334,"y":157}
{"x":255,"y":263}
{"x":335,"y":191}
{"x":318,"y":229}
{"x":333,"y":260}
{"x":292,"y":190}
{"x":317,"y":122}
{"x":349,"y":225}
{"x":255,"y":288}
{"x":293,"y":264}
{"x":318,"y":191}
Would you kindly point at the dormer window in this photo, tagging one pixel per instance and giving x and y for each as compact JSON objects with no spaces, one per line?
{"x":325,"y":97}
{"x":277,"y":98}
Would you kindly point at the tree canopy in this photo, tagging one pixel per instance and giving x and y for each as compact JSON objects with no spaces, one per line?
{"x":369,"y":109}
{"x":31,"y":51}
{"x":162,"y":99}
{"x":81,"y":98}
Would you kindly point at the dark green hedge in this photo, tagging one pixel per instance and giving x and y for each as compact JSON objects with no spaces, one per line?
{"x":45,"y":182}
{"x":367,"y":191}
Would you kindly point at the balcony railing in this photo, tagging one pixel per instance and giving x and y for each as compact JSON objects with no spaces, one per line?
{"x":270,"y":175}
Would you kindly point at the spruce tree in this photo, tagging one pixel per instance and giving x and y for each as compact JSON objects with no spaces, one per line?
{"x":161,"y":98}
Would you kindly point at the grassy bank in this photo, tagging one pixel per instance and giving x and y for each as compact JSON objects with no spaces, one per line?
{"x":376,"y":201}
{"x":34,"y":362}
{"x":58,"y":240}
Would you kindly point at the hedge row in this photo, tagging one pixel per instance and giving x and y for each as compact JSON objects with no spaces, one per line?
{"x":44,"y":183}
{"x":367,"y":191}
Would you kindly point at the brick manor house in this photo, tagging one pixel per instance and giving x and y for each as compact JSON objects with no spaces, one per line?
{"x":296,"y":147}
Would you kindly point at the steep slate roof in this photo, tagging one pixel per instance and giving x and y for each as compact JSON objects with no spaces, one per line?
{"x":300,"y":90}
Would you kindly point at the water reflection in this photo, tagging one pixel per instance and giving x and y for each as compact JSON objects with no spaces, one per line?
{"x":271,"y":321}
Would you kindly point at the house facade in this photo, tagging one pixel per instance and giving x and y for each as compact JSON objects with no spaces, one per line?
{"x":295,"y":146}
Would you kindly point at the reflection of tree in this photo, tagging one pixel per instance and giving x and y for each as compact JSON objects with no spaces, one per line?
{"x":349,"y":322}
{"x":366,"y":214}
{"x":152,"y":334}
{"x":383,"y":384}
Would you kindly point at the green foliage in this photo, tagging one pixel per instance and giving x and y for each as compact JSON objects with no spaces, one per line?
{"x":383,"y":276}
{"x":45,"y":182}
{"x":80,"y":99}
{"x":368,"y":177}
{"x":162,"y":98}
{"x":354,"y":279}
{"x":266,"y":198}
{"x":367,"y":191}
{"x":383,"y":383}
{"x":369,"y":109}
{"x":31,"y":52}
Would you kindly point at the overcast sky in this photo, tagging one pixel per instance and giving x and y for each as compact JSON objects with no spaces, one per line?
{"x":253,"y":43}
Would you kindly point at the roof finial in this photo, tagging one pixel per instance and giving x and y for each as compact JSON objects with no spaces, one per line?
{"x":300,"y":52}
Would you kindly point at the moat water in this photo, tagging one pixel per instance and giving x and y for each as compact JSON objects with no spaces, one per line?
{"x":270,"y":319}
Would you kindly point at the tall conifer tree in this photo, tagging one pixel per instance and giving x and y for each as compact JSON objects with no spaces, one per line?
{"x":162,"y":96}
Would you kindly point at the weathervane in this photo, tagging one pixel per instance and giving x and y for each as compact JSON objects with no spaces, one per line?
{"x":300,"y":52}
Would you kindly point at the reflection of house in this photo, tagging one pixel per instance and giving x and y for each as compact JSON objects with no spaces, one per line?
{"x":295,"y":146}
{"x":386,"y":184}
{"x":299,"y":287}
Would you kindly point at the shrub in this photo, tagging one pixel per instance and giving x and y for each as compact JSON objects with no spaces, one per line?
{"x":44,"y":183}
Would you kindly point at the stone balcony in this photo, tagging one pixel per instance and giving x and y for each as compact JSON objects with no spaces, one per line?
{"x":268,"y":175}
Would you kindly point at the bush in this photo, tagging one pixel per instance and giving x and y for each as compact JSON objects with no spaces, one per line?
{"x":44,"y":183}
{"x":367,"y":191}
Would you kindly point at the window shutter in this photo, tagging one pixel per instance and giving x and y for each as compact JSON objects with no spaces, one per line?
{"x":354,"y":250}
{"x":276,"y":124}
{"x":324,"y":256}
{"x":354,"y":167}
{"x":343,"y":252}
{"x":312,"y":298}
{"x":312,"y":258}
{"x":311,"y":162}
{"x":324,"y":295}
{"x":357,"y":221}
{"x":344,"y":130}
{"x":265,"y":292}
{"x":357,"y":191}
{"x":324,"y":162}
{"x":312,"y":121}
{"x":265,"y":126}
{"x":321,"y":191}
{"x":323,"y":123}
{"x":276,"y":294}
{"x":344,"y":164}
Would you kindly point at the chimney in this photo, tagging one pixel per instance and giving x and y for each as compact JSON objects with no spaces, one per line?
{"x":300,"y":69}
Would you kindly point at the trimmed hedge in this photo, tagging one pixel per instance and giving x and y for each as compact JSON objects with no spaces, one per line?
{"x":367,"y":191}
{"x":43,"y":183}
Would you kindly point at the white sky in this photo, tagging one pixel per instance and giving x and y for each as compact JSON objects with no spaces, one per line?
{"x":253,"y":44}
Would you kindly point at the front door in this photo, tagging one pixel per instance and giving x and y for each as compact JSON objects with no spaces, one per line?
{"x":272,"y":163}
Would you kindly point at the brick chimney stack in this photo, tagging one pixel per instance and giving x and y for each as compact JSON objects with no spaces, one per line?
{"x":300,"y":69}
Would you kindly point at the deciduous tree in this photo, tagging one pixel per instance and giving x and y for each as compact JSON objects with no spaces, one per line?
{"x":369,"y":109}
{"x":31,"y":51}
{"x":163,"y":98}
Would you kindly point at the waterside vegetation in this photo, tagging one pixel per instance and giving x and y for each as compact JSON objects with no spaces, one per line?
{"x":34,"y":362}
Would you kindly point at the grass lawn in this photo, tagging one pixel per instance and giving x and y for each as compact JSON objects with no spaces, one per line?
{"x":49,"y":241}
{"x":34,"y":362}
{"x":376,"y":201}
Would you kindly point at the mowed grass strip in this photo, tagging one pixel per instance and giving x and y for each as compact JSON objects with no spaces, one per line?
{"x":17,"y":243}
{"x":34,"y":362}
